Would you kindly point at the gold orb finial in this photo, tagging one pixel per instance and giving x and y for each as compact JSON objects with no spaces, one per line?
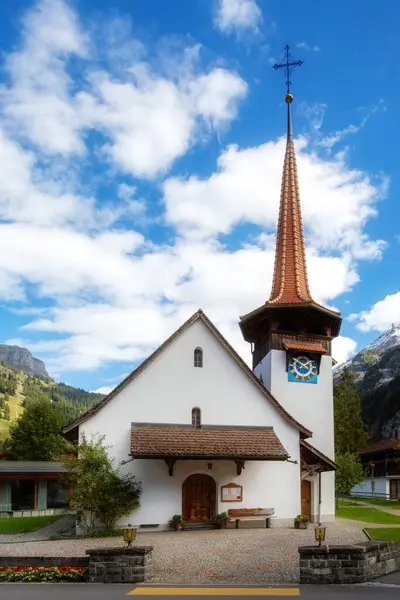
{"x":288,"y":98}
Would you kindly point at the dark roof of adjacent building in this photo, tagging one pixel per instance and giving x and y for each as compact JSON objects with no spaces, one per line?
{"x":381,"y":446}
{"x":256,"y":443}
{"x":37,"y":467}
{"x":199,"y":315}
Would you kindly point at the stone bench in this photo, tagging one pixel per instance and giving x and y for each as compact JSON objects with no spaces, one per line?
{"x":250,"y":514}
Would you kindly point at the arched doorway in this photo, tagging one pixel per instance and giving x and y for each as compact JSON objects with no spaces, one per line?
{"x":198,"y":498}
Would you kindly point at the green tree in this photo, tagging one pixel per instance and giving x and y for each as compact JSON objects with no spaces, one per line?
{"x":100,"y":494}
{"x":7,"y":412}
{"x":349,"y":474}
{"x":2,"y":403}
{"x":36,"y":435}
{"x":350,"y":432}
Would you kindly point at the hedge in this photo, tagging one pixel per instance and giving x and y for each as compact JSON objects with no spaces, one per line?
{"x":29,"y":574}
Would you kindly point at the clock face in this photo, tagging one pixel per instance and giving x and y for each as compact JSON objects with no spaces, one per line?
{"x":302,"y":368}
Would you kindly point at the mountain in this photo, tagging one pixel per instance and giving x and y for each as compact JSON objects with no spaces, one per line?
{"x":376,"y":369}
{"x":21,"y":359}
{"x":17,"y":389}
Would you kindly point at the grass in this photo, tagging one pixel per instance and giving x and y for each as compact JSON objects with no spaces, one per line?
{"x":387,"y":535}
{"x":367,"y":515}
{"x":25,"y":524}
{"x":380,"y":502}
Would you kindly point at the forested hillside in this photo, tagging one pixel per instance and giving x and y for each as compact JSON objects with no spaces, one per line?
{"x":18,"y":389}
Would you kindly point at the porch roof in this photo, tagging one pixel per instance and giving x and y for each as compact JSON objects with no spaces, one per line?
{"x":27,"y":467}
{"x":316,"y":459}
{"x":246,"y":443}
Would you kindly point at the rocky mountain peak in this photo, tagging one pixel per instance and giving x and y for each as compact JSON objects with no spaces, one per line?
{"x":21,"y":359}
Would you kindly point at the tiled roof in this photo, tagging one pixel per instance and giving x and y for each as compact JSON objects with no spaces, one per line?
{"x":257,"y":443}
{"x":381,"y":446}
{"x":198,"y":315}
{"x":306,"y":347}
{"x":290,"y":281}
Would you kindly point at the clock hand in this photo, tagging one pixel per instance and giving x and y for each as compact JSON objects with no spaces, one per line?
{"x":301,"y":363}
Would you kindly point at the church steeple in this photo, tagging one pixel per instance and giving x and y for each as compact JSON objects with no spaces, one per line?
{"x":290,"y":281}
{"x":290,"y":313}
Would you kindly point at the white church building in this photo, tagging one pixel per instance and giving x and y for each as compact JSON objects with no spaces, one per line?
{"x":208,"y":434}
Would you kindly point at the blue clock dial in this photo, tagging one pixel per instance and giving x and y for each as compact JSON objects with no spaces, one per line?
{"x":302,"y":368}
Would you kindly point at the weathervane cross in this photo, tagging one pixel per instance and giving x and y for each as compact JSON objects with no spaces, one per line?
{"x":288,"y":65}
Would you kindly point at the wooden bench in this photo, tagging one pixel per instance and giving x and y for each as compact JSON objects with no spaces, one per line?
{"x":250,"y":514}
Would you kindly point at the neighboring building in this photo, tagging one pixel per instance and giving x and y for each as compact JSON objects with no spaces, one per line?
{"x":31,"y":488}
{"x":381,"y":462}
{"x":207,"y":433}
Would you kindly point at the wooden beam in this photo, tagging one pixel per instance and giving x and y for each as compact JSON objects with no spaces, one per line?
{"x":170,"y":462}
{"x":239,"y":466}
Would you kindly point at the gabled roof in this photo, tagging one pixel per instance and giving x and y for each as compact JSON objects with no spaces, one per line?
{"x":381,"y":446}
{"x":249,"y":443}
{"x":314,"y":456}
{"x":197,"y":316}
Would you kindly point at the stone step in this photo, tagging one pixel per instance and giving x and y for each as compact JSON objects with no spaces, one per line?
{"x":198,"y":526}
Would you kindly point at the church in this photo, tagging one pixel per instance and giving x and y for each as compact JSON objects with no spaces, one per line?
{"x":204,"y":433}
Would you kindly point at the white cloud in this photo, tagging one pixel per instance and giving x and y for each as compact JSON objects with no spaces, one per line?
{"x":336,"y":200}
{"x":381,"y":315}
{"x":305,"y":46}
{"x":343,"y":348}
{"x":39,"y":99}
{"x":105,"y":389}
{"x":237,"y":15}
{"x":150,"y":120}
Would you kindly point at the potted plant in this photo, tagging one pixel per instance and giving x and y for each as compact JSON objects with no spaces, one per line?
{"x":177,"y":522}
{"x":221,"y":520}
{"x":301,"y":522}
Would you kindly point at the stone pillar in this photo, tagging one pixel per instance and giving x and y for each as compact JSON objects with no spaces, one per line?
{"x":120,"y":565}
{"x":356,"y":563}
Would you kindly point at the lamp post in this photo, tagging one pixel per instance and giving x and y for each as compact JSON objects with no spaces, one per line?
{"x":372,"y":480}
{"x":320,"y":533}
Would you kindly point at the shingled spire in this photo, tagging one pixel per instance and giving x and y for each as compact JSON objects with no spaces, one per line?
{"x":290,"y":282}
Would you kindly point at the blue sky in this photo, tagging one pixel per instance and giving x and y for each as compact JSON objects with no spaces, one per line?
{"x":141,"y":149}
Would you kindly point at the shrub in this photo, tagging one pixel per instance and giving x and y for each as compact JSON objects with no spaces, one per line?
{"x":33,"y":574}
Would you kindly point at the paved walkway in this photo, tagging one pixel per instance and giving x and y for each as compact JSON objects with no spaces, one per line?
{"x":45,"y":533}
{"x":247,"y":556}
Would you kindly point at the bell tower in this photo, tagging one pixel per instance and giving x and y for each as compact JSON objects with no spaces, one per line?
{"x":291,"y":333}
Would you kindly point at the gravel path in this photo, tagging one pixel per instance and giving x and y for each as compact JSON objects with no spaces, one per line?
{"x":247,"y":556}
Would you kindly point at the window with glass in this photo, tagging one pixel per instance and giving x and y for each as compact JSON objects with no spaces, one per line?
{"x":23,"y":494}
{"x":198,"y":357}
{"x":57,"y":494}
{"x":196,"y":418}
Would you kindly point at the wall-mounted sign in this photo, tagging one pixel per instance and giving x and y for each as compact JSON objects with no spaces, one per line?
{"x":232,"y":492}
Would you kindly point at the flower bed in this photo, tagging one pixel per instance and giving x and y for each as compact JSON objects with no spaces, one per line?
{"x":29,"y":574}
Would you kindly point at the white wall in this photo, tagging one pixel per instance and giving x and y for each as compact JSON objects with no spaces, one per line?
{"x":365,"y":487}
{"x":165,"y":392}
{"x":312,"y":406}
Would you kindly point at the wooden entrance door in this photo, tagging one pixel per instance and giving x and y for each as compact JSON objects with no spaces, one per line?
{"x":306,"y":498}
{"x":394,"y":489}
{"x":198,"y":498}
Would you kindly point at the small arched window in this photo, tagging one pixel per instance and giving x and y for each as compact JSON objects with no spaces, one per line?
{"x":196,"y":418}
{"x":198,"y":357}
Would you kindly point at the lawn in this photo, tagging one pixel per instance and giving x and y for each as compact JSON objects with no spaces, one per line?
{"x":380,"y":502}
{"x":25,"y":524}
{"x":381,"y":534}
{"x":368,"y":515}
